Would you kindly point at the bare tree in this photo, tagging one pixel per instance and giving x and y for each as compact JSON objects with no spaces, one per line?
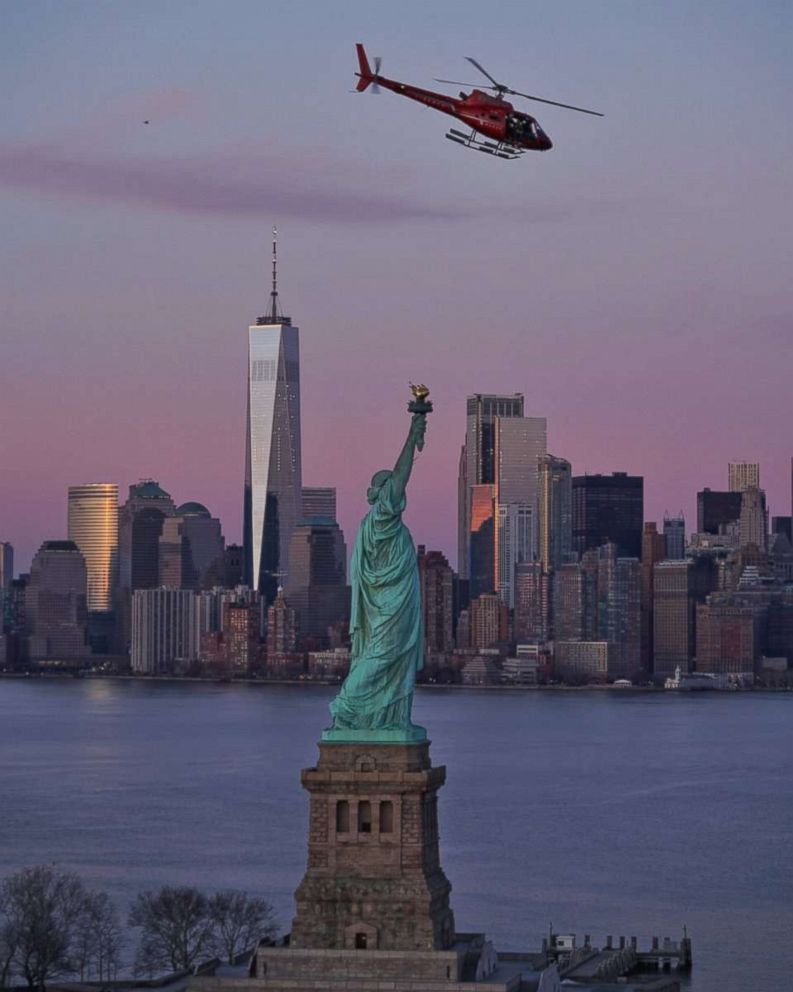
{"x":40,"y":908}
{"x":97,"y":939}
{"x":239,"y":922}
{"x":8,"y":937}
{"x":176,"y":929}
{"x":108,"y":941}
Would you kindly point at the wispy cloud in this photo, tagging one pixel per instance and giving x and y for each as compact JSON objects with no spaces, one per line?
{"x":230,"y":184}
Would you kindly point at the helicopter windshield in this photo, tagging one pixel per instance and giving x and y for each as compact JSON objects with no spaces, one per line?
{"x":522,"y":129}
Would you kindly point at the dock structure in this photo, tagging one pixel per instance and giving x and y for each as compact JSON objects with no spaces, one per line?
{"x":587,"y":963}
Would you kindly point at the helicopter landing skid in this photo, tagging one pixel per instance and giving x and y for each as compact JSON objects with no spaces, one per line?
{"x":500,"y":149}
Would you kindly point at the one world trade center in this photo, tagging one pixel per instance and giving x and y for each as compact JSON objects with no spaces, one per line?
{"x":272,"y":461}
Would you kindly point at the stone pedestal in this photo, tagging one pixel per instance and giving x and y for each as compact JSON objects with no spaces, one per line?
{"x":373,"y":910}
{"x":374,"y":880}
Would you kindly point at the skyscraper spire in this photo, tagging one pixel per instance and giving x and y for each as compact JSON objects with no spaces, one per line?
{"x":274,"y":308}
{"x":274,"y":314}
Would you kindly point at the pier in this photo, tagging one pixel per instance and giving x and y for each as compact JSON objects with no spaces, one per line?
{"x":587,"y":963}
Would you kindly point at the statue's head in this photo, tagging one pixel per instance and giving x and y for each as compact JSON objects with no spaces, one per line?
{"x":379,"y":479}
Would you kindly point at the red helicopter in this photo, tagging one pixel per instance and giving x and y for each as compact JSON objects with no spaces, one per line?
{"x":512,"y":132}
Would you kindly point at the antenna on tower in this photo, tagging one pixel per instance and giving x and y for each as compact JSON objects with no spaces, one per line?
{"x":275,"y":316}
{"x":274,"y":293}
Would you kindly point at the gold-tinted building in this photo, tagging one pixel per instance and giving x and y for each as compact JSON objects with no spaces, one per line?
{"x":93,"y":526}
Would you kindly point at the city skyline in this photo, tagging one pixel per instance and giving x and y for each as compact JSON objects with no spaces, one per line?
{"x":613,"y":264}
{"x":23,"y":553}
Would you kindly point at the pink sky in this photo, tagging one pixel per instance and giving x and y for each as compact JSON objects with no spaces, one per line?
{"x":633,"y":283}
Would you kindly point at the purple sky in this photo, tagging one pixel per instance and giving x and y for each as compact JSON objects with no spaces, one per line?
{"x":633,"y":283}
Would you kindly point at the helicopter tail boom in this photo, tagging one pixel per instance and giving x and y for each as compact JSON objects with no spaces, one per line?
{"x":366,"y":76}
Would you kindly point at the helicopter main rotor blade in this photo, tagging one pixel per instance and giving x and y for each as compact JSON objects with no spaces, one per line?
{"x":456,"y":82}
{"x":555,"y":103}
{"x":485,"y":73}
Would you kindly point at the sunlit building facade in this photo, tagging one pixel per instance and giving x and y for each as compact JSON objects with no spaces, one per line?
{"x":482,"y":540}
{"x":93,"y":526}
{"x":478,"y":462}
{"x":742,"y":476}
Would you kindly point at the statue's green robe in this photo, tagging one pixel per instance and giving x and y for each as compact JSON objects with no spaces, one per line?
{"x":385,"y":622}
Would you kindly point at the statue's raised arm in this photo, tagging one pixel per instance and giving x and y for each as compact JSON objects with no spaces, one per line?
{"x":404,"y":464}
{"x":375,"y":701}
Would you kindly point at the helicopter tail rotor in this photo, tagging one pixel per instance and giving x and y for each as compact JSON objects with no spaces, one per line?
{"x":366,"y":77}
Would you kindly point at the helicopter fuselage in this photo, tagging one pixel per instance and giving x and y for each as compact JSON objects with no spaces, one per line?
{"x":492,"y":116}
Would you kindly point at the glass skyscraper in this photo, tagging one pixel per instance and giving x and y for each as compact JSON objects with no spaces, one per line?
{"x":520,"y":443}
{"x":273,"y":485}
{"x":478,"y":464}
{"x":93,"y":526}
{"x":608,"y":508}
{"x":554,"y":511}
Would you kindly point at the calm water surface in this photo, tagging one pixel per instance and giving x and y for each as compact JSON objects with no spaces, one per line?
{"x":601,"y":812}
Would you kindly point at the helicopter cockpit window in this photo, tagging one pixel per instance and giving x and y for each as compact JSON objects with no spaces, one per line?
{"x":519,"y":129}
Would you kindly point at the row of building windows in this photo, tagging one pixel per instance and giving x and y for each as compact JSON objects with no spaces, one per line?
{"x":263,"y":369}
{"x":385,"y":817}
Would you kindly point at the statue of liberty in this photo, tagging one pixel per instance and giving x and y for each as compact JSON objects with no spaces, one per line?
{"x":386,"y":628}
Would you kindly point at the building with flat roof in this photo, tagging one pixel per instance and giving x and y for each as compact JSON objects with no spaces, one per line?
{"x":675,"y":535}
{"x":489,"y":621}
{"x":166,"y":631}
{"x":6,"y":565}
{"x":317,"y":584}
{"x":554,"y":511}
{"x":608,"y":508}
{"x":728,"y":637}
{"x":678,"y":586}
{"x":319,"y":501}
{"x":478,"y":463}
{"x":717,"y":510}
{"x":582,"y":659}
{"x":520,"y":444}
{"x":436,"y":579}
{"x":743,"y":475}
{"x":56,"y":613}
